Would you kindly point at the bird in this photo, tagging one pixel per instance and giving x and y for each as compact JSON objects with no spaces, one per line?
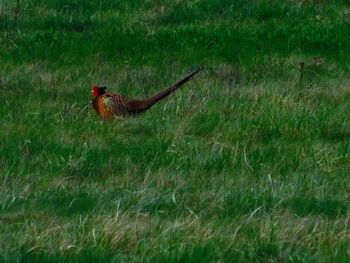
{"x":109,"y":106}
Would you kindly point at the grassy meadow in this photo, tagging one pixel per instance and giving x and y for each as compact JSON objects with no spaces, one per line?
{"x":248,"y":162}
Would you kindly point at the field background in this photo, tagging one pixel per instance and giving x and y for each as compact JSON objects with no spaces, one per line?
{"x":249,"y":162}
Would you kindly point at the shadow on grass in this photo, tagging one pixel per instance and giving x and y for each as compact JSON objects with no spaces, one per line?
{"x":67,"y":204}
{"x":332,"y":208}
{"x":85,"y":256}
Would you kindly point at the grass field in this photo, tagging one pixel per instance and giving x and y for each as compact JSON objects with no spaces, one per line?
{"x":249,"y":162}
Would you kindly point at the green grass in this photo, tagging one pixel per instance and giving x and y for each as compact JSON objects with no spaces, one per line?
{"x":249,"y":162}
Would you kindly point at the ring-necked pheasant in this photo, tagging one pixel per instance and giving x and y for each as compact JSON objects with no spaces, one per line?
{"x":110,"y":105}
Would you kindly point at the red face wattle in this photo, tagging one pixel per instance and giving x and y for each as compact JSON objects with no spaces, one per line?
{"x":95,"y":91}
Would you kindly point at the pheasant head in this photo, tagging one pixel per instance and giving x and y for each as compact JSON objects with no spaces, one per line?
{"x":97,"y":91}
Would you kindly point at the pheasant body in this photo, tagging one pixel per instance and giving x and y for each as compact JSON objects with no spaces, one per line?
{"x":111,"y":105}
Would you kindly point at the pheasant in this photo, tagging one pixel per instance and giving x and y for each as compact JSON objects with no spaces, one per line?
{"x":111,"y":105}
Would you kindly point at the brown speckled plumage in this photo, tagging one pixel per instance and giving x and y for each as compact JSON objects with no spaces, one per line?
{"x":112,"y":105}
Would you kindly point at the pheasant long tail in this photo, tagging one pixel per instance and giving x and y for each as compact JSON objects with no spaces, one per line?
{"x":147,"y":103}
